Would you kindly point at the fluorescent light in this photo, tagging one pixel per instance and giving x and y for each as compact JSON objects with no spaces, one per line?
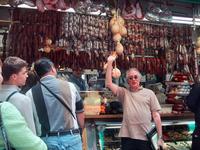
{"x":197,"y":23}
{"x":185,"y":20}
{"x":5,"y":5}
{"x":182,"y":18}
{"x":26,"y":6}
{"x":197,"y":19}
{"x":181,"y":22}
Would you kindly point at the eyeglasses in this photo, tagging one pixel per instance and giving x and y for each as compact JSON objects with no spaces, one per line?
{"x":133,"y":77}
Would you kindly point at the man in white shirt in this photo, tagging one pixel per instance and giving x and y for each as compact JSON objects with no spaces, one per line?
{"x":14,"y":72}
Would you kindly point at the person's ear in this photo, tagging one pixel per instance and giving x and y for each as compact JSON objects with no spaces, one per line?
{"x":53,"y":69}
{"x":13,"y":77}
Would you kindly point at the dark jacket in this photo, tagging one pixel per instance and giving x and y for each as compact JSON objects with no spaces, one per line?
{"x":193,"y":102}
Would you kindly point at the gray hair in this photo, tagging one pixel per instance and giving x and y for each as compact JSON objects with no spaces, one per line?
{"x":133,"y":69}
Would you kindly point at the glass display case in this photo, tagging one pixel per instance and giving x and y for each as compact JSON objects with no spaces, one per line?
{"x":176,"y":93}
{"x":176,"y":134}
{"x":107,"y":135}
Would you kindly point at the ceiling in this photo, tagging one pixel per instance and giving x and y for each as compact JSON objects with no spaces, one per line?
{"x":184,"y":8}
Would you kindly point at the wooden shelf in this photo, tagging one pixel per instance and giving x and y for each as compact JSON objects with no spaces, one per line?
{"x":118,"y":117}
{"x":173,"y":116}
{"x":178,"y":83}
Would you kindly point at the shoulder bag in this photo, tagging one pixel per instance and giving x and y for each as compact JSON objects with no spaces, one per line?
{"x":61,"y":101}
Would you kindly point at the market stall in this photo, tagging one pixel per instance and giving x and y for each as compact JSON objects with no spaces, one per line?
{"x":142,"y":34}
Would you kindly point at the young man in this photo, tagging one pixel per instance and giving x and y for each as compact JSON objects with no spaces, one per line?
{"x":18,"y":133}
{"x":140,"y":105}
{"x":14,"y":72}
{"x":56,"y":125}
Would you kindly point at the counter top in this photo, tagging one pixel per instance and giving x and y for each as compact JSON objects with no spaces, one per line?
{"x":118,"y":117}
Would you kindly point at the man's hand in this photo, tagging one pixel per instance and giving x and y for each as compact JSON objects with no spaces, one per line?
{"x":160,"y":143}
{"x":111,"y":58}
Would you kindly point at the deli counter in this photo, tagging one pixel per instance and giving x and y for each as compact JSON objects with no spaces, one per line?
{"x":101,"y":131}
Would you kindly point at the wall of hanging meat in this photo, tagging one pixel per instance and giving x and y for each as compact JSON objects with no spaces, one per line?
{"x":77,"y":40}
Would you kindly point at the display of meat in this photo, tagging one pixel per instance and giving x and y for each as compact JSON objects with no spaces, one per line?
{"x":50,"y":5}
{"x":132,"y":10}
{"x":139,"y":13}
{"x":86,"y":41}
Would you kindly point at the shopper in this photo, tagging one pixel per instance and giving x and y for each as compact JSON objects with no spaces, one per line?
{"x":57,"y":126}
{"x":19,"y":135}
{"x":193,"y":102}
{"x":139,"y":106}
{"x":76,"y":78}
{"x":14,"y":71}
